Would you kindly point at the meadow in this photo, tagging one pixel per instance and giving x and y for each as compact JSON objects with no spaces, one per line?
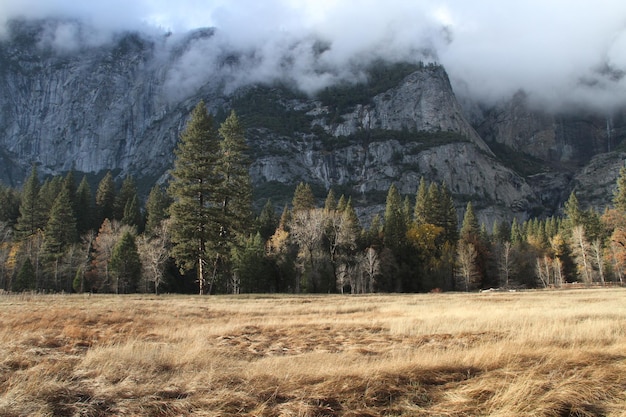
{"x":536,"y":353}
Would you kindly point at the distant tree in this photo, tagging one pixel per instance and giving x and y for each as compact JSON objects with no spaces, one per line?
{"x":330,"y":204}
{"x":125,"y":264}
{"x":466,"y":258}
{"x":394,"y":226}
{"x":84,"y":207}
{"x":105,"y":198}
{"x":9,"y":205}
{"x":157,"y":209}
{"x":100,"y":276}
{"x":267,"y":222}
{"x":303,"y":198}
{"x":307,"y":232}
{"x":25,"y":280}
{"x":32,"y":216}
{"x":251,"y":270}
{"x":469,"y":228}
{"x":154,"y":253}
{"x":582,"y":253}
{"x":235,"y":190}
{"x":132,"y":213}
{"x":48,"y":193}
{"x":61,"y":230}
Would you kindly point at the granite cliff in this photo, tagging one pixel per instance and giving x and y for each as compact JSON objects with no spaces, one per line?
{"x":121,"y":104}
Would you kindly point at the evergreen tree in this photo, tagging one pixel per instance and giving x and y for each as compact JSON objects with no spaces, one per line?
{"x":157,"y":207}
{"x":251,"y":269}
{"x":341,"y":204}
{"x":235,"y":191}
{"x":573,"y":213}
{"x":433,"y":210}
{"x":516,"y":232}
{"x":450,"y":222}
{"x":303,"y":198}
{"x":469,"y":228}
{"x":394,"y":227}
{"x":125,"y":264}
{"x":32,"y":216}
{"x":61,"y":228}
{"x":127,"y":193}
{"x":69,"y":183}
{"x":9,"y":205}
{"x":267,"y":222}
{"x":196,"y":211}
{"x":105,"y":198}
{"x":132,"y":214}
{"x":619,"y":195}
{"x":48,"y":193}
{"x":84,"y":207}
{"x":25,"y":280}
{"x":330,"y":204}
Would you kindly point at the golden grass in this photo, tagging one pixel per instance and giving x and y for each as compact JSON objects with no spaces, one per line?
{"x":560,"y":353}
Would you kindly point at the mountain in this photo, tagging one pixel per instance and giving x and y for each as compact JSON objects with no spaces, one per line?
{"x":120,"y":105}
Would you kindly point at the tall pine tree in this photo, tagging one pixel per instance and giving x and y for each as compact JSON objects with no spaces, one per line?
{"x":105,"y":198}
{"x":196,"y":211}
{"x":235,"y":191}
{"x":32,"y":216}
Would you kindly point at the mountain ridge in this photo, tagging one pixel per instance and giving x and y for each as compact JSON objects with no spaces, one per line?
{"x":110,"y":107}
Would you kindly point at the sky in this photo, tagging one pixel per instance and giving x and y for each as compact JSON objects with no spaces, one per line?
{"x":560,"y":52}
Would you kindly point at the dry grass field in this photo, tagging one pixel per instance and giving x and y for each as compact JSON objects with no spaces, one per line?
{"x":559,"y":353}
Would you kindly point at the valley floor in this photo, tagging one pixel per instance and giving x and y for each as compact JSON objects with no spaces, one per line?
{"x":539,"y":353}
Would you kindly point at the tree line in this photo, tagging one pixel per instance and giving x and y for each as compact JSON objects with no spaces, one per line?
{"x":199,"y":234}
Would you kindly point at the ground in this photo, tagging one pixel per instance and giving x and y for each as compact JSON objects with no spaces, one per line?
{"x":539,"y":353}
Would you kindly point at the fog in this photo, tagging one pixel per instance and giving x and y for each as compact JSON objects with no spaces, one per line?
{"x":561,"y":53}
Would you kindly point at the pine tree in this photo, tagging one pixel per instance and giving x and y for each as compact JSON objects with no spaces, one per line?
{"x":330,"y":204}
{"x":450,"y":221}
{"x":196,"y":211}
{"x":48,"y":193}
{"x":573,"y":213}
{"x":303,"y":198}
{"x":32,"y":216}
{"x":394,"y":227}
{"x":157,"y":207}
{"x":60,"y":231}
{"x":267,"y":222}
{"x":433,"y":212}
{"x":132,"y":214}
{"x":127,"y":193}
{"x":105,"y":198}
{"x":469,"y":228}
{"x":9,"y":205}
{"x":69,"y":183}
{"x":235,"y":191}
{"x":125,"y":264}
{"x":84,"y":207}
{"x":25,"y":280}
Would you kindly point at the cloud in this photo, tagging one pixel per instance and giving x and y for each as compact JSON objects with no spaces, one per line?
{"x":562,"y":53}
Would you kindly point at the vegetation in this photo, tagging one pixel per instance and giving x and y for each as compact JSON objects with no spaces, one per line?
{"x":56,"y":237}
{"x":553,"y":353}
{"x":378,"y":78}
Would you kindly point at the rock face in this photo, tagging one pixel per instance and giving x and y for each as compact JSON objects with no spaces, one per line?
{"x":117,"y":106}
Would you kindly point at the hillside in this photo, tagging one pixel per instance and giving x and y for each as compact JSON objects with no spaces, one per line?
{"x":121,"y":105}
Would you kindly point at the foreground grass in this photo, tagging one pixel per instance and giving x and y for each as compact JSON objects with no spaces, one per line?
{"x":497,"y":354}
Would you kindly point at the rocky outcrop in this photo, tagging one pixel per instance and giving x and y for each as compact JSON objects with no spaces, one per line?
{"x":121,"y":105}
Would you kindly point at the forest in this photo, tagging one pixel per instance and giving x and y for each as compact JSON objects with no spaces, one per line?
{"x":198,"y":233}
